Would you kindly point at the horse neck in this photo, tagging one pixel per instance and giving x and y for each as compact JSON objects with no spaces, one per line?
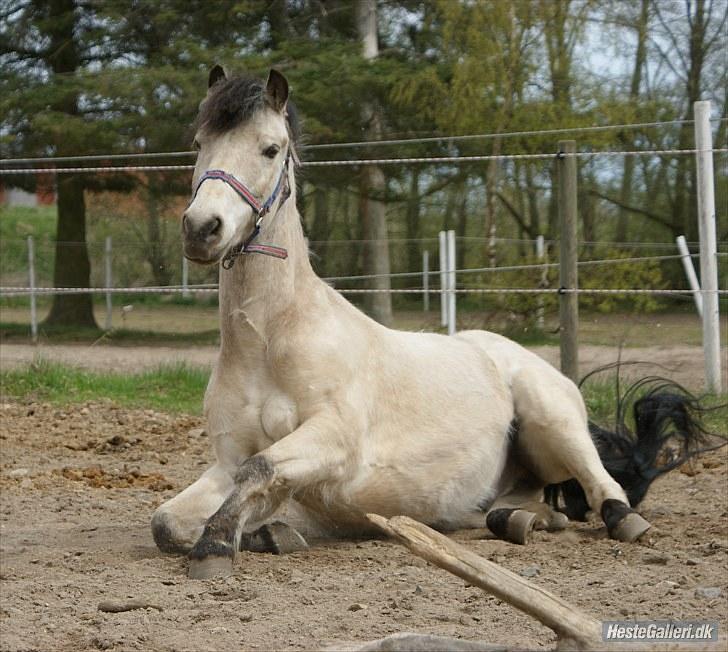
{"x":259,"y":288}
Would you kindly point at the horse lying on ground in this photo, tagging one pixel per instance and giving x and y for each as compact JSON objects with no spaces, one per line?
{"x":312,"y":400}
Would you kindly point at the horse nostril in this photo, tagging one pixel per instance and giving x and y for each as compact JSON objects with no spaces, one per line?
{"x":185,"y":224}
{"x":209,"y":229}
{"x":216,"y":226}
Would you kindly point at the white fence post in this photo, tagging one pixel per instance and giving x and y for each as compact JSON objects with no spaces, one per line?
{"x":185,"y":277}
{"x":451,"y":259}
{"x":687,"y":262}
{"x":109,"y":283}
{"x":426,"y":280}
{"x":708,"y":246}
{"x":31,"y":283}
{"x":443,"y":278}
{"x":542,"y":283}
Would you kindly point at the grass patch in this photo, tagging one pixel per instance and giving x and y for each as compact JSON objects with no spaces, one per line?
{"x":16,"y":224}
{"x":600,"y":396}
{"x":170,"y":388}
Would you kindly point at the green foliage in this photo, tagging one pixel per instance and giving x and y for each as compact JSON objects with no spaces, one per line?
{"x":643,"y":274}
{"x":172,"y":388}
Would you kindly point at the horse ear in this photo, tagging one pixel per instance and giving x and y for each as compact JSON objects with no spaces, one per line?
{"x":276,"y":90}
{"x":217,"y":72}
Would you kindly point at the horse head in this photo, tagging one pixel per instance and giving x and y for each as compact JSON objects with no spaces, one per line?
{"x":244,"y":137}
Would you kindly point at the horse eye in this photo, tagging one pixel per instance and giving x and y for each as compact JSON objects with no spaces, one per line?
{"x":271,"y":151}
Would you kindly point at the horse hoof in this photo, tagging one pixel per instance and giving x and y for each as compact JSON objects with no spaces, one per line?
{"x":205,"y":569}
{"x":630,"y":528}
{"x":557,"y":521}
{"x":623,"y":523}
{"x":277,"y":538}
{"x":514,"y":525}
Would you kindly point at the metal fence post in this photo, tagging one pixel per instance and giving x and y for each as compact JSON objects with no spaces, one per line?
{"x":708,"y":246}
{"x":109,"y":282}
{"x":451,"y":260}
{"x":687,"y":262}
{"x":31,"y":283}
{"x":568,"y":279}
{"x":185,"y":277}
{"x":426,"y":280}
{"x":443,"y":277}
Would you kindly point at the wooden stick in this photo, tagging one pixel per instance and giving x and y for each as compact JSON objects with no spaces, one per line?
{"x":557,"y":614}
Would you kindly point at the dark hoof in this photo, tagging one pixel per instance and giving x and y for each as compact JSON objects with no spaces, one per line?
{"x":514,"y":525}
{"x":209,"y":567}
{"x":623,"y":523}
{"x":210,"y":558}
{"x":163,"y":534}
{"x":277,"y":538}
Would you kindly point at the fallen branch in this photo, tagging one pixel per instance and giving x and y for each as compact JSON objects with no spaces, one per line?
{"x":564,"y":619}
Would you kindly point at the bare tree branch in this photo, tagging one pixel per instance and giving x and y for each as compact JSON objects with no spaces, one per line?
{"x":634,"y":209}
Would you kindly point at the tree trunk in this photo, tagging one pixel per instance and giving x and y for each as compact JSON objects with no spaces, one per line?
{"x":155,"y":250}
{"x":373,"y":184}
{"x":491,"y":185}
{"x":625,"y":194}
{"x":72,"y":266}
{"x":320,"y":228}
{"x":414,"y":251}
{"x":461,"y":229}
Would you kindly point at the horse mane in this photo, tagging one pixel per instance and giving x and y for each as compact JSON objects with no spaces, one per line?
{"x":233,"y":100}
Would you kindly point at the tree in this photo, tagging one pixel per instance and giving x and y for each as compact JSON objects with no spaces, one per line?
{"x":42,"y":47}
{"x":373,"y":184}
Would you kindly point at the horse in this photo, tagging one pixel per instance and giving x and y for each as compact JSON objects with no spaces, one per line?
{"x":311,"y":402}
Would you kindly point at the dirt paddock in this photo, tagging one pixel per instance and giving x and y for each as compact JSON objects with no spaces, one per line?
{"x":79,"y":485}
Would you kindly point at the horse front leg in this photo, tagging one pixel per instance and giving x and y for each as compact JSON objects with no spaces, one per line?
{"x":178,"y":523}
{"x":313,"y":453}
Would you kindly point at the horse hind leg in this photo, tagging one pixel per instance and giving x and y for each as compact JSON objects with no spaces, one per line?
{"x":518,"y":512}
{"x":276,"y":537}
{"x":555,"y":444}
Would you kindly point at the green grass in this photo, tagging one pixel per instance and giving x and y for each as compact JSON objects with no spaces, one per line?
{"x":16,"y":224}
{"x":170,"y":388}
{"x":600,"y":396}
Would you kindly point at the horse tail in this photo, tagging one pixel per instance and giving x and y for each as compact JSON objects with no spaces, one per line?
{"x":668,"y":431}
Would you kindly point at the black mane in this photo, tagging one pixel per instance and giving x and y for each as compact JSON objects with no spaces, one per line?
{"x":234,"y":100}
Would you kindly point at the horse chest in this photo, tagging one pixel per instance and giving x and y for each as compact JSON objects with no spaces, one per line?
{"x":278,"y":416}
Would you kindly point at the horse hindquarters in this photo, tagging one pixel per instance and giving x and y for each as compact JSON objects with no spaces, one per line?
{"x":553,"y":443}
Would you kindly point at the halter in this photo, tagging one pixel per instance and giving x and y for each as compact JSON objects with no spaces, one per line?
{"x":261,"y":210}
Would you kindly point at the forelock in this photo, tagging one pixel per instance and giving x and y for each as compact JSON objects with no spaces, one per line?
{"x":234,"y":100}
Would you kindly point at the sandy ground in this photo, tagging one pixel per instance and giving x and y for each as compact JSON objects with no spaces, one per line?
{"x":681,"y":363}
{"x":78,"y":486}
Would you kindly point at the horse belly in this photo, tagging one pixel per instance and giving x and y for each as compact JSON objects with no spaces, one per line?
{"x":442,"y":475}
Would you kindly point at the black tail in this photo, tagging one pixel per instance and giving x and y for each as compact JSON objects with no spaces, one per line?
{"x":668,"y":432}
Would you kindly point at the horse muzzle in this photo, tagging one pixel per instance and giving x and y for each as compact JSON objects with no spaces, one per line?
{"x":203,"y":238}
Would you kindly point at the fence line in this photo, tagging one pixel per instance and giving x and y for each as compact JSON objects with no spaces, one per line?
{"x":510,"y":268}
{"x":432,"y":240}
{"x":363,"y":143}
{"x":371,"y":161}
{"x":10,"y":291}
